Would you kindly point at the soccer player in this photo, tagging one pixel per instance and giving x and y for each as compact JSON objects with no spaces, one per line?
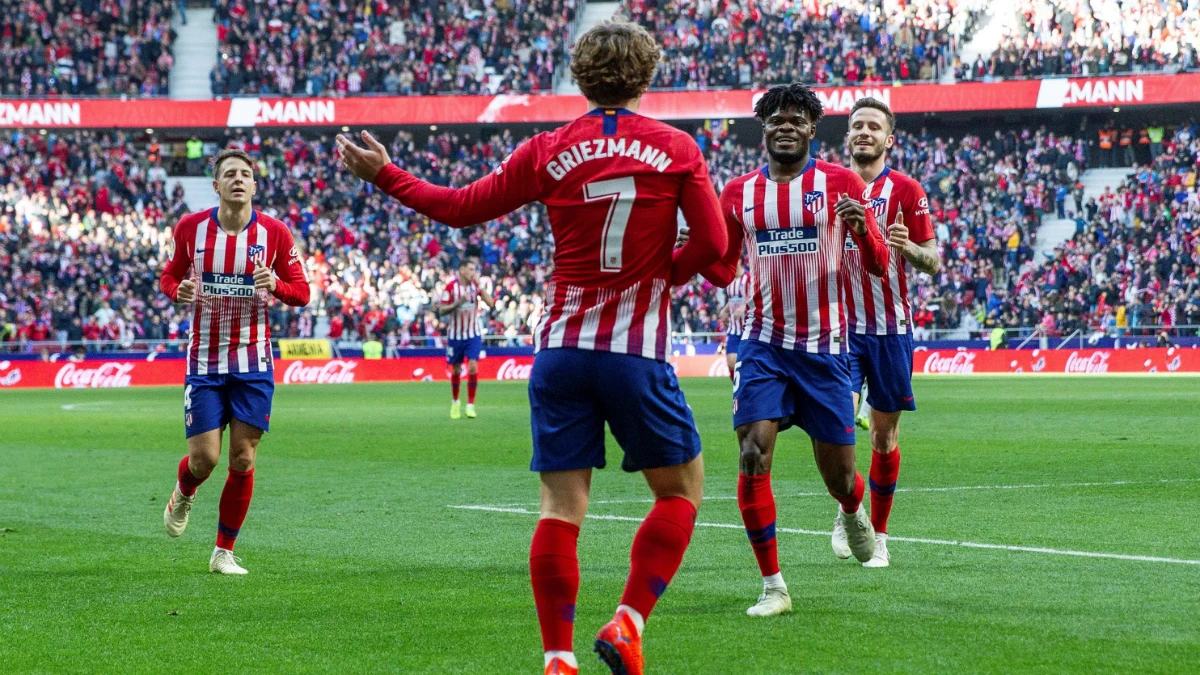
{"x":458,"y":304}
{"x":612,"y":182}
{"x":878,"y":314}
{"x":237,"y":258}
{"x":735,"y":314}
{"x":792,"y":366}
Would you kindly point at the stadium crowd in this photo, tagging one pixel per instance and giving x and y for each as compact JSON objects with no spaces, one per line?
{"x":82,"y":236}
{"x":1093,"y":37}
{"x":740,"y":45}
{"x":54,"y":48}
{"x":326,"y":48}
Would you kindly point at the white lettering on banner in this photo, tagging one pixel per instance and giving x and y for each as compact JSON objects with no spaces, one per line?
{"x":12,"y":377}
{"x":1096,"y":363}
{"x":39,"y":114}
{"x":962,"y":363}
{"x":1056,"y":93}
{"x":841,"y":99}
{"x":719,"y":368}
{"x":250,"y":112}
{"x":107,"y":376}
{"x":331,"y":372}
{"x":510,"y":370}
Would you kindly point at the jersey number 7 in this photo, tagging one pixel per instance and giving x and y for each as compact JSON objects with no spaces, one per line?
{"x":622,"y":192}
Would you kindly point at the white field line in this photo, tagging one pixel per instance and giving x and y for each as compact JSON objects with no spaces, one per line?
{"x":956,"y":488}
{"x":914,"y":540}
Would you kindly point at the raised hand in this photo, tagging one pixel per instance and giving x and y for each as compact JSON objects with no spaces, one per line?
{"x":263,"y":279}
{"x":363,"y":162}
{"x":898,"y":233}
{"x":853,"y":213}
{"x":187,"y":292}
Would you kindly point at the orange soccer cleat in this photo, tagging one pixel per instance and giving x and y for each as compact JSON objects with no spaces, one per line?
{"x":620,"y":647}
{"x":559,"y":667}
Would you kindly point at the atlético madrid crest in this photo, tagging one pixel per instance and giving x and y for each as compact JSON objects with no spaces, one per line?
{"x":257,"y":253}
{"x":879,"y":205}
{"x":814,"y":201}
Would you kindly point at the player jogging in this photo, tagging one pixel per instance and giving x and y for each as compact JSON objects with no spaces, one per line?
{"x":792,"y":366}
{"x":877,"y":308}
{"x":612,"y":182}
{"x":457,"y":304}
{"x":735,"y":314}
{"x":237,"y":257}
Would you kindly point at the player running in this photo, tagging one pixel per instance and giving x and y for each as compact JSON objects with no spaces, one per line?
{"x":237,"y":257}
{"x":735,"y":314}
{"x":457,"y":303}
{"x":612,"y":182}
{"x":877,"y":309}
{"x":792,"y":366}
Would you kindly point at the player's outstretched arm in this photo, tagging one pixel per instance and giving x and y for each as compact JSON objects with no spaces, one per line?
{"x":512,"y":185}
{"x":172,"y":282}
{"x":707,"y":239}
{"x":291,"y":283}
{"x":724,"y":270}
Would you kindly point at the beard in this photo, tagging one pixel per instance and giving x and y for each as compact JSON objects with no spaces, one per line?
{"x":865,"y":156}
{"x":786,"y":157}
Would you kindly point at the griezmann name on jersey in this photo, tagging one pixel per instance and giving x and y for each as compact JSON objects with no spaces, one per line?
{"x":230,"y":333}
{"x":612,"y":182}
{"x":880,"y":305}
{"x":796,"y":247}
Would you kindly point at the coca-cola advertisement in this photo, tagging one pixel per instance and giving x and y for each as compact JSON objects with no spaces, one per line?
{"x":94,"y":374}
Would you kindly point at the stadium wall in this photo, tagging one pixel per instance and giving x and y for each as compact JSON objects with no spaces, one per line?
{"x":1055,"y":93}
{"x":131,"y":373}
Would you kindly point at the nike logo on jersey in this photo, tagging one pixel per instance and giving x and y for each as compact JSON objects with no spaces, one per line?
{"x":751,"y":208}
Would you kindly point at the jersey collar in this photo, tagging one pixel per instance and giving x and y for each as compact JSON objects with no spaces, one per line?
{"x":212,"y":215}
{"x":766,"y":170}
{"x":885,"y":172}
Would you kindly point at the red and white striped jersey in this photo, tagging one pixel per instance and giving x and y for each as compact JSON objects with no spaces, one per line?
{"x":613,"y":182}
{"x":880,"y":305}
{"x":736,"y":297}
{"x":797,"y":244}
{"x":462,"y":323}
{"x":229,"y":321}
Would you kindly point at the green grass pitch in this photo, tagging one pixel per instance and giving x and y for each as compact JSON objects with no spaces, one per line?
{"x":357,"y":565}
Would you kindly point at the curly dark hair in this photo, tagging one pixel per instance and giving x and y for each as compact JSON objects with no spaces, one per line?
{"x":795,"y":95}
{"x":614,"y":62}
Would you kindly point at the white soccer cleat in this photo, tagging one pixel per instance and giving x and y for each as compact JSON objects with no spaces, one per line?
{"x":175,"y":517}
{"x":881,"y":558}
{"x":225,"y":562}
{"x":840,"y":548}
{"x":860,"y":535}
{"x":772,"y":601}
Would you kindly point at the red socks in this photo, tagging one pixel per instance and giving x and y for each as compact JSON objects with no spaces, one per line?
{"x":554,"y":571}
{"x":188,"y":482}
{"x":235,"y":501}
{"x":657,"y":552}
{"x":472,"y":384}
{"x":757,"y":504}
{"x":455,"y":382}
{"x":850,"y":503}
{"x":885,"y":470}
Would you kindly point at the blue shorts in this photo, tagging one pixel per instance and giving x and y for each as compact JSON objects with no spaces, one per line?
{"x":732,"y":342}
{"x":885,"y":363}
{"x":797,"y":388}
{"x":573,"y":392}
{"x":210,"y":401}
{"x":456,"y":350}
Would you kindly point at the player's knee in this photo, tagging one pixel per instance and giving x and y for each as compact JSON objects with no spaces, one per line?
{"x":201,"y":464}
{"x":242,"y":461}
{"x":754,"y":459}
{"x":473,"y":367}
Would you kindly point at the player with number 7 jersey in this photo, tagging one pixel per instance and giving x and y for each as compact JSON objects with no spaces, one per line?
{"x":613,"y":182}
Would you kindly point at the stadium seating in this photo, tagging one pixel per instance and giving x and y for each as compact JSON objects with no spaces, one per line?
{"x":52,"y":48}
{"x":327,"y":48}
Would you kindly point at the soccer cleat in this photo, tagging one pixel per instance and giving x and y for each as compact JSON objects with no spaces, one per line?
{"x":471,"y":411}
{"x":455,"y":410}
{"x":559,"y":667}
{"x":175,"y":517}
{"x":620,"y":647}
{"x":860,"y":535}
{"x":840,"y":548}
{"x":863,"y":422}
{"x":772,"y":601}
{"x":881,"y":558}
{"x":225,"y":562}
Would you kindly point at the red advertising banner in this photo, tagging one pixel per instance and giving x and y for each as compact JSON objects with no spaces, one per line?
{"x":1128,"y":90}
{"x":119,"y":374}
